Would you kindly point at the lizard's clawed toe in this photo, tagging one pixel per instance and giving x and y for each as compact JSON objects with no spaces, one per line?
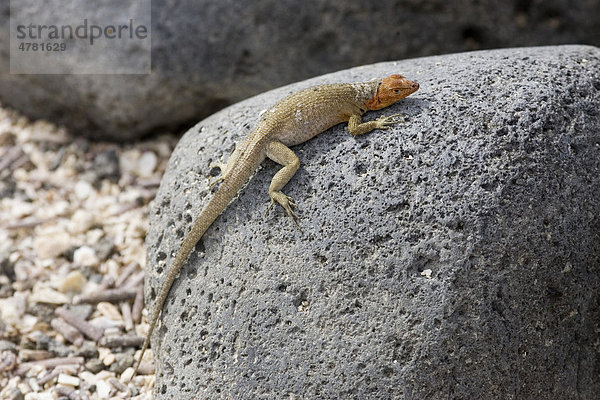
{"x":269,"y":207}
{"x":385,"y":122}
{"x":287,"y":203}
{"x":213,"y":183}
{"x":397,"y":118}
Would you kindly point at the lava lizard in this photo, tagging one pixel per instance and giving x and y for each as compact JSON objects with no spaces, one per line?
{"x":293,"y":120}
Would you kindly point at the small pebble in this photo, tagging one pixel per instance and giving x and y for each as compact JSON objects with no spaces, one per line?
{"x":7,"y":138}
{"x":8,"y":359}
{"x":34,"y":355}
{"x":88,"y":377}
{"x":73,"y":282}
{"x":85,"y":256}
{"x":105,"y":375}
{"x":122,"y":362}
{"x":104,"y":248}
{"x":108,"y":359}
{"x":113,"y":331}
{"x":82,"y":311}
{"x":88,"y":350}
{"x":93,"y":236}
{"x":39,"y":396}
{"x":36,"y":340}
{"x":60,"y":349}
{"x":47,"y":295}
{"x":24,"y":388}
{"x":106,"y":323}
{"x":6,"y":289}
{"x":81,"y":221}
{"x":13,"y":309}
{"x":109,"y":310}
{"x":68,"y":380}
{"x":83,"y":190}
{"x":118,"y":385}
{"x":8,"y":345}
{"x":34,"y":385}
{"x":51,"y":245}
{"x":106,"y":165}
{"x":13,"y":394}
{"x":103,"y":389}
{"x":94,"y":365}
{"x":127,"y":374}
{"x":28,"y":322}
{"x":20,"y":209}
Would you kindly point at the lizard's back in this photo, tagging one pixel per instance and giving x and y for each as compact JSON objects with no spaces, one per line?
{"x":303,"y":115}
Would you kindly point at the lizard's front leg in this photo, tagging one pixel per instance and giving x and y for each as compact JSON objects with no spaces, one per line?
{"x":357,"y":127}
{"x":281,"y":154}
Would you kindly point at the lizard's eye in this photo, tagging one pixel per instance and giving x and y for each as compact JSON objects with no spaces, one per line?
{"x":396,"y":90}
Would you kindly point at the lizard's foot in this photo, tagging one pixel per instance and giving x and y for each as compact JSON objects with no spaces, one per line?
{"x":286,"y":202}
{"x":222,"y":167}
{"x":219,"y":164}
{"x":213,"y":183}
{"x":386,"y":121}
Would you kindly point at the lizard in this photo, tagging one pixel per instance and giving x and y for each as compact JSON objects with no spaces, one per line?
{"x":291,"y":121}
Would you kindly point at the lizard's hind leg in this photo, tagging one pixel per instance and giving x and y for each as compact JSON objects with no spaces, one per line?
{"x":224,"y":167}
{"x":281,"y":154}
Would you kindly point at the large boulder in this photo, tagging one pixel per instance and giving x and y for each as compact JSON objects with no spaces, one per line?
{"x":208,"y":54}
{"x":455,"y":256}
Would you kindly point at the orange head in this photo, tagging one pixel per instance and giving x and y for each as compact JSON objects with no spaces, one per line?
{"x":390,"y":90}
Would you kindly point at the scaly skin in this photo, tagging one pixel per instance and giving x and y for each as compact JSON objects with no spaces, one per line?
{"x":294,"y":120}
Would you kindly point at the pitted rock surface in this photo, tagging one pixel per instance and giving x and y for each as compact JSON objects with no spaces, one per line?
{"x":455,"y":256}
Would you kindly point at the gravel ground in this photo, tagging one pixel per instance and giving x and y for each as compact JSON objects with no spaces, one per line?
{"x":73,"y":218}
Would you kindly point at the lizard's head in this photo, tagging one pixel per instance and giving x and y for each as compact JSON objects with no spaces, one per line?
{"x":390,"y":90}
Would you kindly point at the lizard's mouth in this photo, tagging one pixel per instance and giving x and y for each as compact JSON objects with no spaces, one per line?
{"x":408,"y":90}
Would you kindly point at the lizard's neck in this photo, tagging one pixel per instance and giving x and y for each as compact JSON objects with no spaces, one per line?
{"x":364,"y":92}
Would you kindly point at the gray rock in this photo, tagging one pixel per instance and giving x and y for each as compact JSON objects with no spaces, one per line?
{"x":491,"y":188}
{"x":122,"y":362}
{"x":209,"y":55}
{"x":94,"y":365}
{"x":88,"y":350}
{"x":83,"y":311}
{"x":60,"y":349}
{"x":104,"y":248}
{"x":107,"y":166}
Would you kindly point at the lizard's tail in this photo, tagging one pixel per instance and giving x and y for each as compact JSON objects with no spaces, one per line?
{"x":209,"y":214}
